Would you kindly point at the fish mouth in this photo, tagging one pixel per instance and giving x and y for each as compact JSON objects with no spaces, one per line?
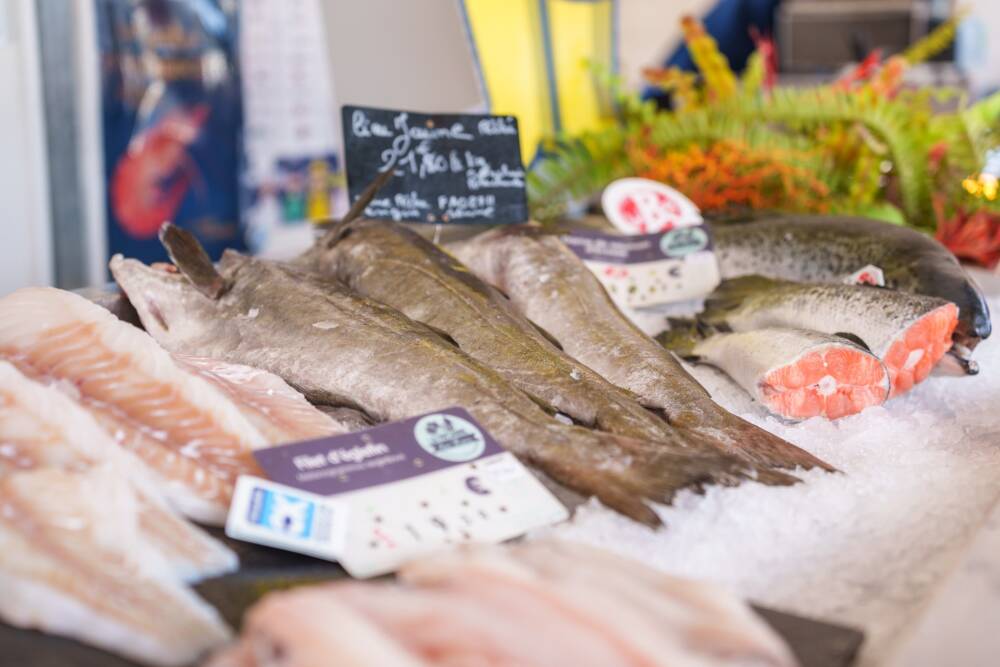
{"x":982,"y":326}
{"x":961,"y":352}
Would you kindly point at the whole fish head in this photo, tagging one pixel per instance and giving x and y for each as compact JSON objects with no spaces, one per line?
{"x":170,"y":307}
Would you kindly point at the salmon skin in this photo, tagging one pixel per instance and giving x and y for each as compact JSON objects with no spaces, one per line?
{"x":552,"y":287}
{"x":389,"y":263}
{"x":909,"y":332}
{"x":831,"y":248}
{"x":794,"y":373}
{"x":186,"y":432}
{"x":42,"y":428}
{"x":337,"y":347}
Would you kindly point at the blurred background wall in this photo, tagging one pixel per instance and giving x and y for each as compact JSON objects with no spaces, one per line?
{"x":103,"y":91}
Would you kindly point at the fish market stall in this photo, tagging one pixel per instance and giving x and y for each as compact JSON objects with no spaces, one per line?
{"x":710,"y":384}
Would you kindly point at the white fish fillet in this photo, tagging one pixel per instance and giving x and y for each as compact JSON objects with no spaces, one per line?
{"x":42,"y":428}
{"x":697,"y":616}
{"x":652,"y":619}
{"x":473,"y":626}
{"x":310,"y":627}
{"x":72,"y":562}
{"x":179,"y":425}
{"x":540,"y":604}
{"x":278,"y":411}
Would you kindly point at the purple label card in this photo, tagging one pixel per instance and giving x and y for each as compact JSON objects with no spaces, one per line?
{"x":378,"y":498}
{"x":643,"y":270}
{"x":380,"y":455}
{"x":676,"y":243}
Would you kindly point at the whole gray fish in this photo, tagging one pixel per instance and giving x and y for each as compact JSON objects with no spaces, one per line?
{"x":830,"y":248}
{"x":339,"y":348}
{"x":552,"y":287}
{"x":794,"y":373}
{"x":909,"y":332}
{"x":396,"y":266}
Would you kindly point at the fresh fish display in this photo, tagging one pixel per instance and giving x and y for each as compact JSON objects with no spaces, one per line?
{"x":794,"y":373}
{"x":42,"y":428}
{"x":543,"y":604}
{"x":391,"y":264}
{"x":73,"y":563}
{"x":831,"y":248}
{"x":553,"y":288}
{"x":185,"y":430}
{"x":908,"y":332}
{"x":339,"y":348}
{"x":279,"y":412}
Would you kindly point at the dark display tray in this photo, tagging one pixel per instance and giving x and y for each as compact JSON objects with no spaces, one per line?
{"x":816,"y":644}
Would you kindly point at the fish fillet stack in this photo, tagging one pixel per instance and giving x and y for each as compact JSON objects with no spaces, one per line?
{"x":191,"y":422}
{"x":104,"y":438}
{"x":87,"y":548}
{"x":543,"y":604}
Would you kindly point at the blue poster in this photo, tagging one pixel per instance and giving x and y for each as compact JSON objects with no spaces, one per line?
{"x":172,"y":122}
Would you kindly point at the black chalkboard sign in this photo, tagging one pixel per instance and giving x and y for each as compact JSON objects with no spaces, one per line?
{"x":449,"y":168}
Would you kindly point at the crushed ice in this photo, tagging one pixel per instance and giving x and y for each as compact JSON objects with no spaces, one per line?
{"x":862,"y":548}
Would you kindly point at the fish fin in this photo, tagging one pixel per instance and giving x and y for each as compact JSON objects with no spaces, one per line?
{"x":191,"y":259}
{"x":443,"y":334}
{"x":547,"y":336}
{"x":366,"y":197}
{"x":731,"y":294}
{"x":683,"y":335}
{"x":349,"y":415}
{"x":854,"y":338}
{"x":337,"y":230}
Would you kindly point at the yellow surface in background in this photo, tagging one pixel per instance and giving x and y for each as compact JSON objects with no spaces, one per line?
{"x":508,"y":36}
{"x":510,"y":44}
{"x":581,"y":36}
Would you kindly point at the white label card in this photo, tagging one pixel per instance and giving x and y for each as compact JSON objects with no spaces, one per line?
{"x":377,"y":498}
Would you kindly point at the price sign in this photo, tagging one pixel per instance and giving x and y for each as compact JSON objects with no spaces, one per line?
{"x":449,"y":168}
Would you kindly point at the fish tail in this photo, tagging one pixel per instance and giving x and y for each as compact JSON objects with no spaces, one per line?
{"x":731,"y":295}
{"x":659,"y":469}
{"x":627,"y":474}
{"x":762,"y":448}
